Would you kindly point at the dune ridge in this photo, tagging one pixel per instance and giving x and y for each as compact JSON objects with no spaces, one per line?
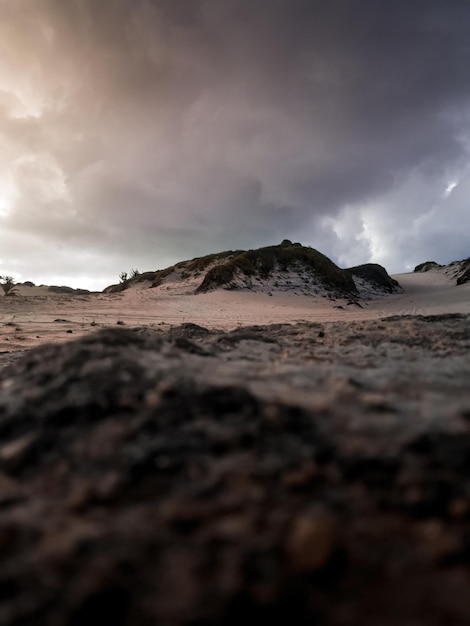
{"x":282,"y":268}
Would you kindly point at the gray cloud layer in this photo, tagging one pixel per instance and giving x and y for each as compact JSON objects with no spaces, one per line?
{"x":141,"y":132}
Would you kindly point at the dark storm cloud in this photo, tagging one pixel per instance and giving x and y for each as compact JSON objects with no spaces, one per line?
{"x":143,"y":132}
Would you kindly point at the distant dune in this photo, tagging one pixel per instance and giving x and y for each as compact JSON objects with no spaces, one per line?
{"x":288,"y":267}
{"x":460,"y":270}
{"x":28,"y":288}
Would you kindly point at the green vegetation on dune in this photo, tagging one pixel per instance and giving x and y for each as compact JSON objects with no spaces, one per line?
{"x":199,"y":264}
{"x":193,"y":267}
{"x":231,"y":269}
{"x":375,"y":274}
{"x":286,"y":256}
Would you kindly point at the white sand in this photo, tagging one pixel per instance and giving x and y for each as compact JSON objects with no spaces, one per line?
{"x":32,"y":318}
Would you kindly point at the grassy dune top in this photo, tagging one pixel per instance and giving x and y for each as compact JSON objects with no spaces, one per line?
{"x":284,"y":257}
{"x":234,"y":269}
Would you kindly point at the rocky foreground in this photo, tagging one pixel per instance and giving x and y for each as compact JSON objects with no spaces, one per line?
{"x":301,"y":474}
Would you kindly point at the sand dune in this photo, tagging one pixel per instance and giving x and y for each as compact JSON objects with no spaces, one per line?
{"x":37,"y":316}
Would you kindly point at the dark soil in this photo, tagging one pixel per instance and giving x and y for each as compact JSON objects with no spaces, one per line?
{"x":304,"y":474}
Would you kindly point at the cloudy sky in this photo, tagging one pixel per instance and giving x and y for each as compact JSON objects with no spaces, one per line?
{"x":137,"y":133}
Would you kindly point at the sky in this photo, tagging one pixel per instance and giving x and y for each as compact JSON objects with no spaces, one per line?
{"x":139,"y":133}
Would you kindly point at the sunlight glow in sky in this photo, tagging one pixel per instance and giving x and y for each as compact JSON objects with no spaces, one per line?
{"x":450,"y":188}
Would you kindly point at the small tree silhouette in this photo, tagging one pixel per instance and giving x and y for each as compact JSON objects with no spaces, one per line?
{"x":8,"y":285}
{"x":123,"y":276}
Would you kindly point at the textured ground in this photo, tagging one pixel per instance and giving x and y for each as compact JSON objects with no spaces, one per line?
{"x":304,"y":474}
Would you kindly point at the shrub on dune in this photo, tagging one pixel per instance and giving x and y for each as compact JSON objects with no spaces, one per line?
{"x":7,"y":283}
